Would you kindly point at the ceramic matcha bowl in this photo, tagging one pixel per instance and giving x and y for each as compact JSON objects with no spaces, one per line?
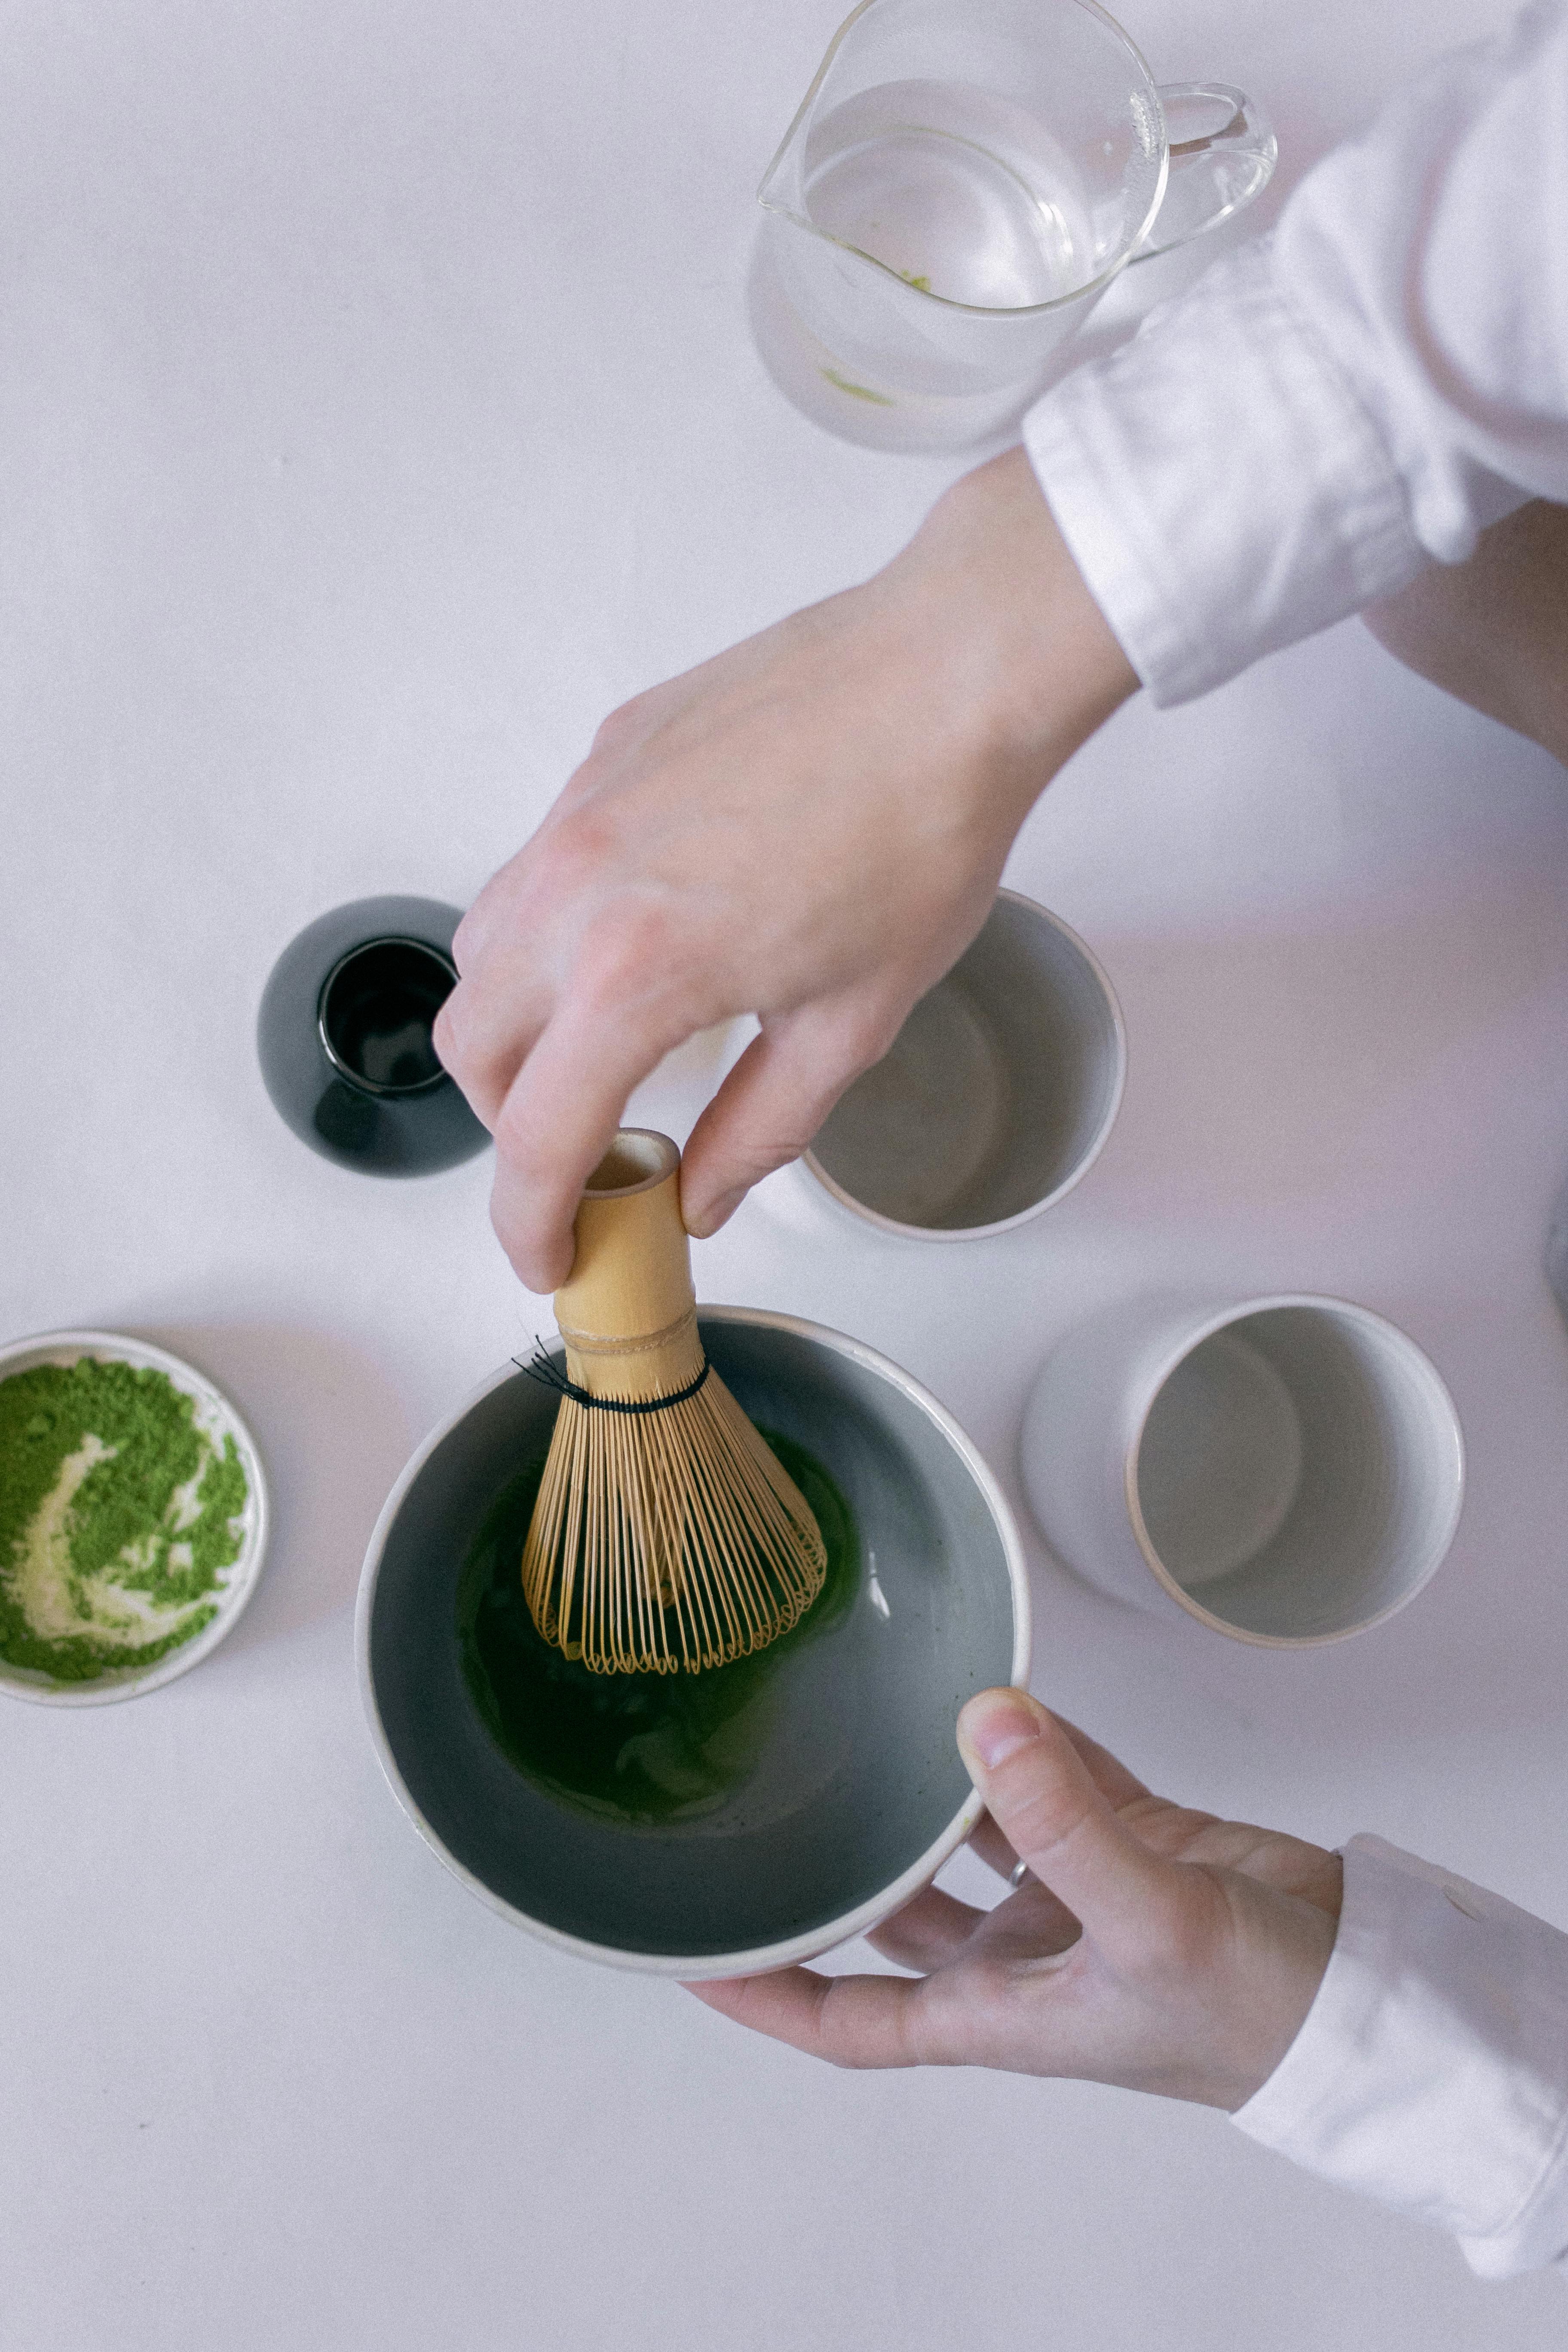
{"x":838,"y":1790}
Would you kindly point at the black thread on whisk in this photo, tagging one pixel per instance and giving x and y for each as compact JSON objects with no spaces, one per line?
{"x":550,"y":1376}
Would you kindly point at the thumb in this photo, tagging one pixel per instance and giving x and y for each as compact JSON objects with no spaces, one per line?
{"x":773,"y":1102}
{"x":1041,"y":1794}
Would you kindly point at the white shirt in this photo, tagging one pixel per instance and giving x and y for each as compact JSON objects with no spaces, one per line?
{"x":1325,"y":412}
{"x":1432,"y":2071}
{"x":1329,"y":408}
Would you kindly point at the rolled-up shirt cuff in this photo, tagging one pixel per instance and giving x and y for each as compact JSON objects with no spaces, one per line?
{"x":1432,"y":2070}
{"x":1222,"y":488}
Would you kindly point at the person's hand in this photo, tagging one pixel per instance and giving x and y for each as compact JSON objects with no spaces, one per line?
{"x":810,"y":828}
{"x":1201,"y":1946}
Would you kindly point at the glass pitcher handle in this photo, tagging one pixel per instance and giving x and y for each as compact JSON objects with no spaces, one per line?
{"x":1223,"y":153}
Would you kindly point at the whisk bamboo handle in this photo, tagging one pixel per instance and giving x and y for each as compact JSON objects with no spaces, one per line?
{"x":666,"y":1537}
{"x":628,"y":1310}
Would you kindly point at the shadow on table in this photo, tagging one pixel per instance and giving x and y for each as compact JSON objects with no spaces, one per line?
{"x":333,"y":1434}
{"x":1367,"y":1056}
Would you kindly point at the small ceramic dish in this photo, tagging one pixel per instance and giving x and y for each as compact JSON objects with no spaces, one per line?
{"x":853,"y":1793}
{"x":217,"y":1418}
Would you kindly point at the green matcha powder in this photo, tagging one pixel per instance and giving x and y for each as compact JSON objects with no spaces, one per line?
{"x":119,"y":1516}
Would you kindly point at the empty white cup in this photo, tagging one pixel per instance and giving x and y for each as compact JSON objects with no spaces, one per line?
{"x":1286,"y":1470}
{"x":995,"y":1098}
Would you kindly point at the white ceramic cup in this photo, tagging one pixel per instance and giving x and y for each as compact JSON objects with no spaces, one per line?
{"x":1287,"y":1470}
{"x":996,"y":1095}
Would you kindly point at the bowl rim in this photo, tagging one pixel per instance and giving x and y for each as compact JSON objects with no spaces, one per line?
{"x":1207,"y":1325}
{"x":123,"y":1346}
{"x":791,"y":1949}
{"x":865,"y":1215}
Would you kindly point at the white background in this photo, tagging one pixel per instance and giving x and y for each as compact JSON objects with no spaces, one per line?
{"x":377,"y":409}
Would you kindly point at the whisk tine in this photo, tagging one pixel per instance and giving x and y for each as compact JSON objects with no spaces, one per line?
{"x":648,"y":1553}
{"x":666,"y":1534}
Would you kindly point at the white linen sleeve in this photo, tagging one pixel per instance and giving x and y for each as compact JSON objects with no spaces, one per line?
{"x":1329,"y":409}
{"x":1432,"y":2070}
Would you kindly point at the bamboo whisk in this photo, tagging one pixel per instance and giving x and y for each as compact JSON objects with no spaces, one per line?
{"x":665,"y":1534}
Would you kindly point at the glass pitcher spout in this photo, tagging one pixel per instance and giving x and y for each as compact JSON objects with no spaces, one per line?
{"x":781,"y":189}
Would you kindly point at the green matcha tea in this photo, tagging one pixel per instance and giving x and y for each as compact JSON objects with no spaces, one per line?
{"x":635,"y":1748}
{"x":119,"y":1515}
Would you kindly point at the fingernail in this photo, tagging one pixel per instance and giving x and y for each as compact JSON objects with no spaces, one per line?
{"x":996,"y":1725}
{"x":542,"y":1276}
{"x":718,"y":1212}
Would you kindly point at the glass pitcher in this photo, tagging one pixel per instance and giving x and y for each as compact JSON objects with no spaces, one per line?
{"x":965,"y":178}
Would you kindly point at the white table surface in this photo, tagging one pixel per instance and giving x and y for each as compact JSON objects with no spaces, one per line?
{"x":377,"y":409}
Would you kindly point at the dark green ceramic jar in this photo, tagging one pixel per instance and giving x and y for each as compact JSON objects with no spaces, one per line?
{"x":344,"y":1039}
